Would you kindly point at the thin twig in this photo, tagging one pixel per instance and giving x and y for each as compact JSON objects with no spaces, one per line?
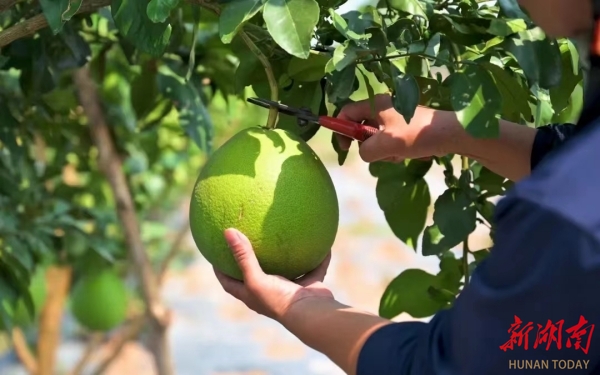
{"x":173,"y":251}
{"x":129,"y":333}
{"x":93,"y":343}
{"x":34,"y":24}
{"x":24,"y":354}
{"x":273,"y":86}
{"x":111,"y":165}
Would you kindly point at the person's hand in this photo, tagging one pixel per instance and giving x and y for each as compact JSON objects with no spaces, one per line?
{"x":396,"y":140}
{"x":272,"y":296}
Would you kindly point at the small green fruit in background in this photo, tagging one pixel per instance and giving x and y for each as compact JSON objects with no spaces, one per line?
{"x":99,"y":300}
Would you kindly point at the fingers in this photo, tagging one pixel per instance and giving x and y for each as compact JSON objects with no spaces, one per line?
{"x":230,"y":285}
{"x":377,"y":148}
{"x":361,"y":110}
{"x":243,"y":254}
{"x":357,"y":111}
{"x":316,"y":275}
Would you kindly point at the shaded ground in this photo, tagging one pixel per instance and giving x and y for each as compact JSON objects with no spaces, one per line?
{"x":213,"y":334}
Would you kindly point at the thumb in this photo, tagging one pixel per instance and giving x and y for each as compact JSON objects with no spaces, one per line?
{"x":243,"y":253}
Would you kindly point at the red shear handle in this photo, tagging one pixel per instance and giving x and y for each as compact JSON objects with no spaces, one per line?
{"x":350,"y":129}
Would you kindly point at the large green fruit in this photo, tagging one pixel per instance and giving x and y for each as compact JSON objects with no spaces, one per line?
{"x":99,"y":301}
{"x":270,"y":185}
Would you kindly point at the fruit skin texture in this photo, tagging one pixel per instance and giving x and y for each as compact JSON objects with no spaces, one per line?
{"x":99,"y":301}
{"x":271,"y":186}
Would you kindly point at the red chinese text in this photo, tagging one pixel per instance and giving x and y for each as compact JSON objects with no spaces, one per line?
{"x":579,"y":336}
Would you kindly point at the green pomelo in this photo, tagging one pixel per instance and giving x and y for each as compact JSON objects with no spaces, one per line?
{"x":271,"y":186}
{"x":99,"y":301}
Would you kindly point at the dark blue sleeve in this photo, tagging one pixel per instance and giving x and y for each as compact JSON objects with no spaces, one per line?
{"x":542,"y":268}
{"x":548,"y":138}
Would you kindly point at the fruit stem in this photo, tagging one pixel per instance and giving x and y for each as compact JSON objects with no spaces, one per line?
{"x":273,"y":112}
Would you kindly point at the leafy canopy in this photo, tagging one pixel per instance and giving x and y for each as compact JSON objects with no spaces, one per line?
{"x":162,"y":64}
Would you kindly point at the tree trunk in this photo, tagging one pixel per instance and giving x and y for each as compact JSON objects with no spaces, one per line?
{"x":111,"y":166}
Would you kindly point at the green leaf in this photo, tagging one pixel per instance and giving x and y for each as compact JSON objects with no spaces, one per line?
{"x":406,"y":94}
{"x":159,"y":10}
{"x":501,"y":27}
{"x":433,"y":45}
{"x":57,"y":12}
{"x":404,"y":199}
{"x":291,"y":24}
{"x":193,"y":115}
{"x":344,"y":55}
{"x":342,"y":26}
{"x":511,"y":9}
{"x":131,"y":19}
{"x":514,"y":96}
{"x":342,"y":154}
{"x":477,"y":101}
{"x":543,"y":106}
{"x":341,"y":84}
{"x":538,"y":56}
{"x":571,"y":113}
{"x":490,"y":182}
{"x":561,"y":93}
{"x":144,"y":90}
{"x":301,"y":95}
{"x":368,"y":86}
{"x":234,"y":15}
{"x":455,"y":215}
{"x":467,"y":31}
{"x":408,"y":293}
{"x":434,"y":242}
{"x":370,"y":92}
{"x":451,"y":272}
{"x":308,"y":70}
{"x":486,"y":209}
{"x":409,"y":6}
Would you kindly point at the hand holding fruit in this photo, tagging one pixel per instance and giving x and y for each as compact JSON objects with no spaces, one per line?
{"x":269,"y":295}
{"x":397,"y":140}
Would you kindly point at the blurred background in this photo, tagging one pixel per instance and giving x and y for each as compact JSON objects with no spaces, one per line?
{"x":212,"y":333}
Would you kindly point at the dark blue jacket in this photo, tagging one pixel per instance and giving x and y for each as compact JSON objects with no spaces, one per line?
{"x":533,"y":306}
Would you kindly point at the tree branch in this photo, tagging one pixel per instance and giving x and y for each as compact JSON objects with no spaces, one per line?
{"x":94,"y":341}
{"x":23,"y":353}
{"x":36,"y":23}
{"x":111,"y":166}
{"x":118,"y":342}
{"x":173,"y":251}
{"x":59,"y":281}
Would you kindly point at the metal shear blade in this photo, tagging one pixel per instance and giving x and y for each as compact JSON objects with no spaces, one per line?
{"x":303,"y":115}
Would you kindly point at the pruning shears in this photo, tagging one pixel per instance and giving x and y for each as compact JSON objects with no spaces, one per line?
{"x":354,"y":130}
